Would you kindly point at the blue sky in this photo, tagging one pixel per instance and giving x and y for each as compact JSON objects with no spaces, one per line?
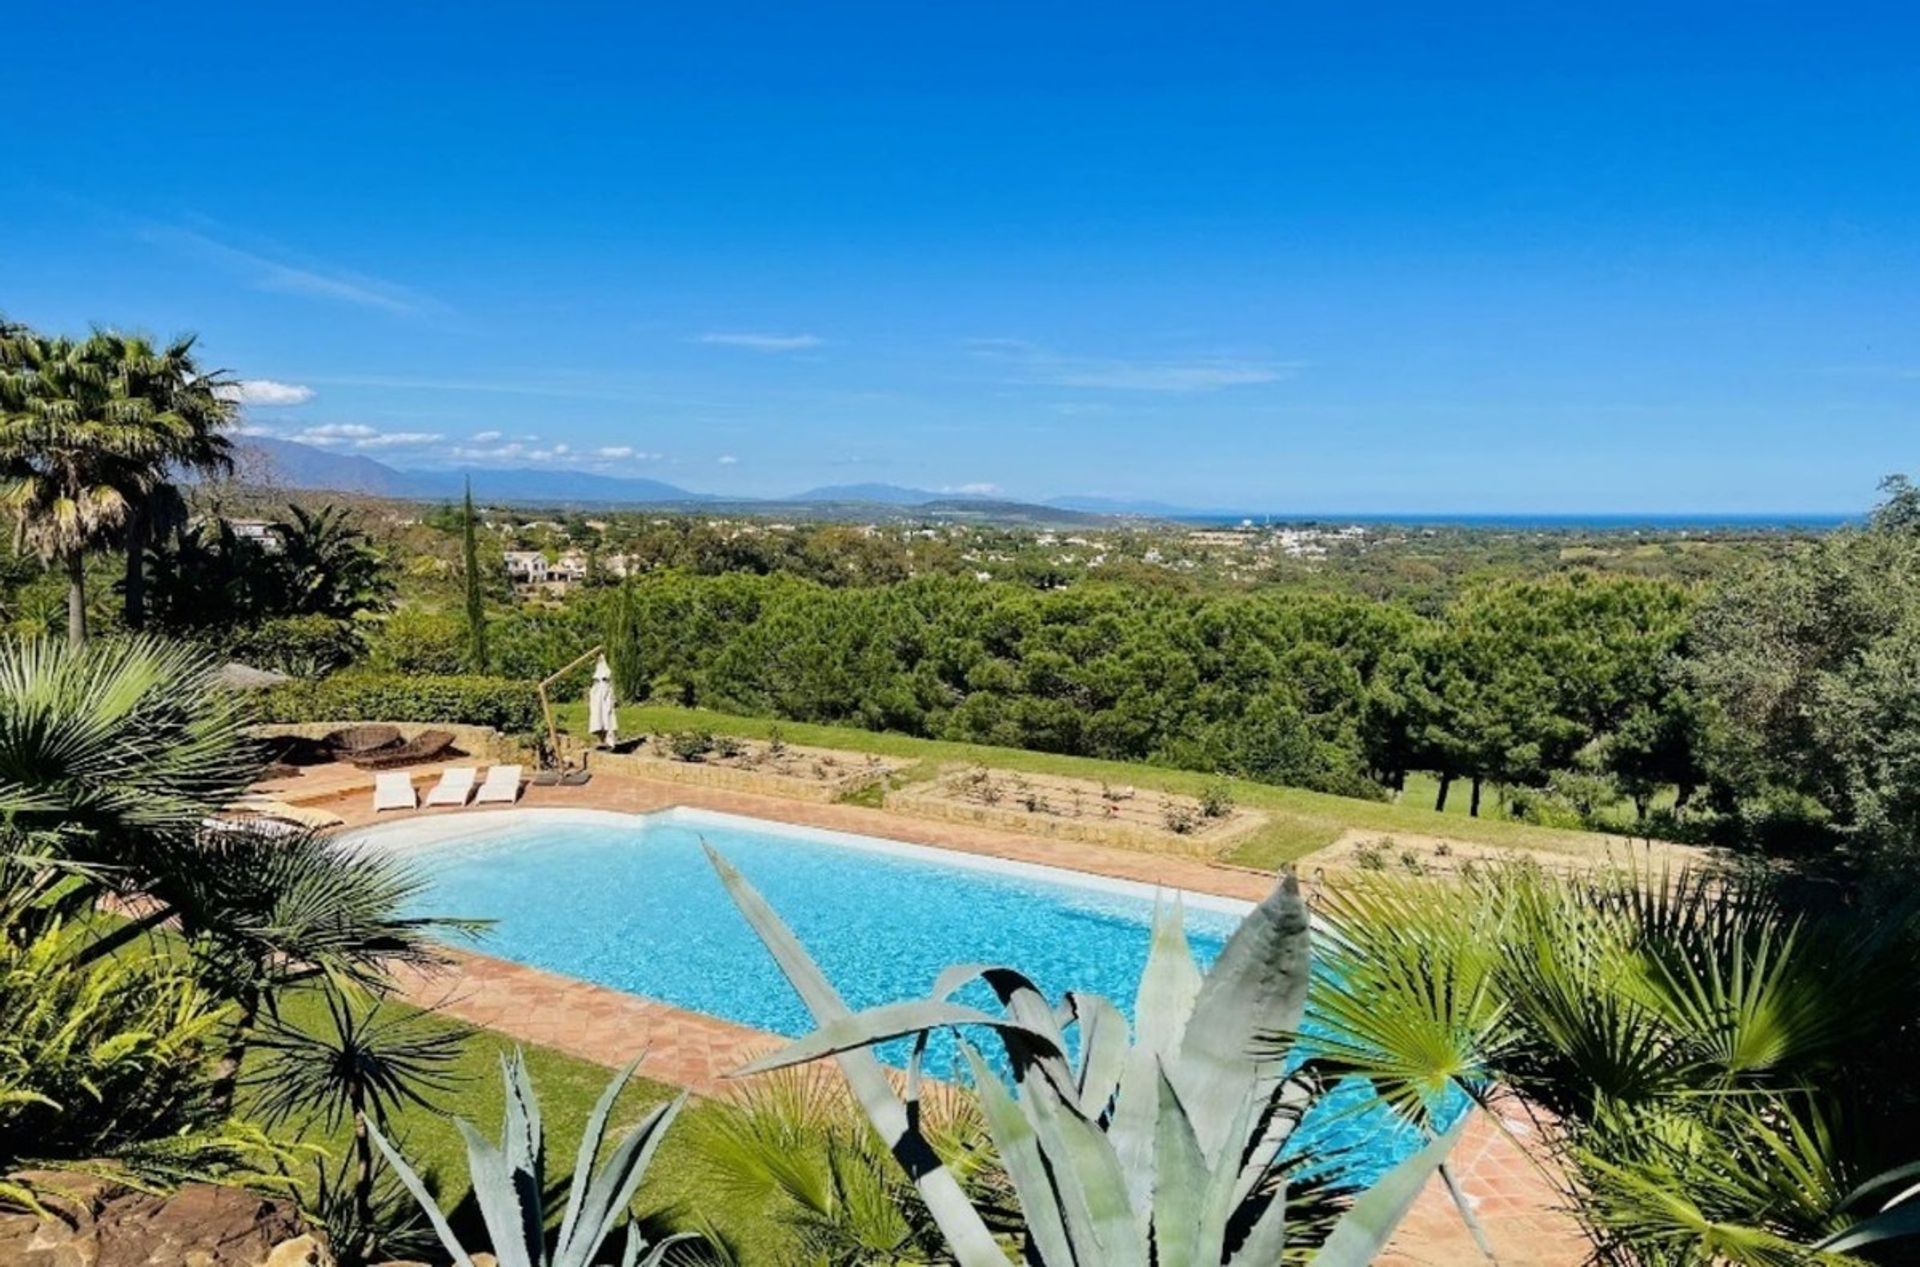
{"x":1530,"y":257}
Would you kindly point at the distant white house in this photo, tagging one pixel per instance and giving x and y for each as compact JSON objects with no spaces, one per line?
{"x":526,"y":567}
{"x":258,"y":531}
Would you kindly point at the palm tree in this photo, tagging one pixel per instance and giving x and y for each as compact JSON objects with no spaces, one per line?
{"x":88,"y":428}
{"x":113,"y":754}
{"x":203,"y":402}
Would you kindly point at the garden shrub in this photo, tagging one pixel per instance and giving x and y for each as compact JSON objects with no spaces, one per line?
{"x":690,"y":745}
{"x":417,"y":641}
{"x":506,"y":705}
{"x":96,"y":1058}
{"x":305,"y":646}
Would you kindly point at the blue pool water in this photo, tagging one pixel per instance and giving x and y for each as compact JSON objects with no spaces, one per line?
{"x":631,"y":902}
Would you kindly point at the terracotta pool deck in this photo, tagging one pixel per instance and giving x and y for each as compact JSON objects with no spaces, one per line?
{"x":1517,"y":1205}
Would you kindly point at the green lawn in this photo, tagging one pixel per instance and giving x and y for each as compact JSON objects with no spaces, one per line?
{"x":568,"y":1088}
{"x":1298,"y":821}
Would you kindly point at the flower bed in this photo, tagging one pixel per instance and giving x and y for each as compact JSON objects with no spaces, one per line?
{"x":1082,"y":809}
{"x":750,"y":765}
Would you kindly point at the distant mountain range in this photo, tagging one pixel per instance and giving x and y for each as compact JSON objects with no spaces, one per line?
{"x":289,"y":464}
{"x":880,"y":495}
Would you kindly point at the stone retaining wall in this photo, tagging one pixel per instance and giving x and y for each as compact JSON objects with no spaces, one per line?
{"x":483,"y":742}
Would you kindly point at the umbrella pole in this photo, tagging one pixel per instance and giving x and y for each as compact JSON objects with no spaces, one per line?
{"x":546,"y":705}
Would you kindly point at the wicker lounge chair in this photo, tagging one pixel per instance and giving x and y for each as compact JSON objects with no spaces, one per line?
{"x":425,"y":746}
{"x":362,"y":741}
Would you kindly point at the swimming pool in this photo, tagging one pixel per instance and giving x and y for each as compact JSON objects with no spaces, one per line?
{"x":630,"y":902}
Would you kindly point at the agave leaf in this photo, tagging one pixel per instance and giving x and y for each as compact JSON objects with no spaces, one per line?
{"x":590,"y":1137}
{"x":1028,"y":1007}
{"x":1884,"y":1180}
{"x":1019,"y":1148}
{"x":1259,"y":984}
{"x":612,"y":1187}
{"x":1180,"y":1187}
{"x":418,"y":1191}
{"x":658,"y":1253}
{"x":1268,"y":1238}
{"x":1288,"y":1106}
{"x":1225,"y":1192}
{"x":965,"y":1231}
{"x":1364,"y":1230}
{"x":1103,"y":1050}
{"x":1079,"y":1149}
{"x":523,"y":1149}
{"x":1892,"y":1224}
{"x":883,"y":1024}
{"x":497,"y":1191}
{"x":1169,"y":984}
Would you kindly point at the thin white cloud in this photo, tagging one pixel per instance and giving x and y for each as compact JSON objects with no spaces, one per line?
{"x":252,"y":429}
{"x":1170,"y":376}
{"x":615,"y":451}
{"x":486,"y":437}
{"x":265,"y":391}
{"x":761,"y":342}
{"x":1033,"y":364}
{"x":359,"y":436}
{"x":400,"y":440}
{"x":304,"y":278}
{"x":727,"y":459}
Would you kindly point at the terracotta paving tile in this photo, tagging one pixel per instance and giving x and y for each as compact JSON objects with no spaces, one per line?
{"x":1520,"y":1210}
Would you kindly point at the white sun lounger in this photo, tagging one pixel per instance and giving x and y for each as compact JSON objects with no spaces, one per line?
{"x":502,"y":784}
{"x":394,"y":790}
{"x":455,"y":786}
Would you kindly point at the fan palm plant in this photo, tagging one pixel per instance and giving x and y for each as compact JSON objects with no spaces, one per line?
{"x":359,"y":1065}
{"x":1720,"y":1071}
{"x":115,"y":743}
{"x":797,"y":1143}
{"x":264,"y":911}
{"x":1166,"y":1148}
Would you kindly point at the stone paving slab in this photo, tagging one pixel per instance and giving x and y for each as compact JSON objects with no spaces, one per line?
{"x":592,"y":1022}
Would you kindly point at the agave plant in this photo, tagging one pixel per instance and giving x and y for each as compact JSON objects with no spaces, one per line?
{"x":509,"y":1178}
{"x":1164,"y":1148}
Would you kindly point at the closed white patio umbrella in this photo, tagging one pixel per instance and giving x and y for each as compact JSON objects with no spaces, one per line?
{"x":601,"y":719}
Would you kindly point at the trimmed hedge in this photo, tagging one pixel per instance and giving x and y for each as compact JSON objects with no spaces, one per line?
{"x":509,"y":706}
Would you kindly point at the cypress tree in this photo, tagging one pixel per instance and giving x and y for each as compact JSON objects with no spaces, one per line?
{"x":476,"y":606}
